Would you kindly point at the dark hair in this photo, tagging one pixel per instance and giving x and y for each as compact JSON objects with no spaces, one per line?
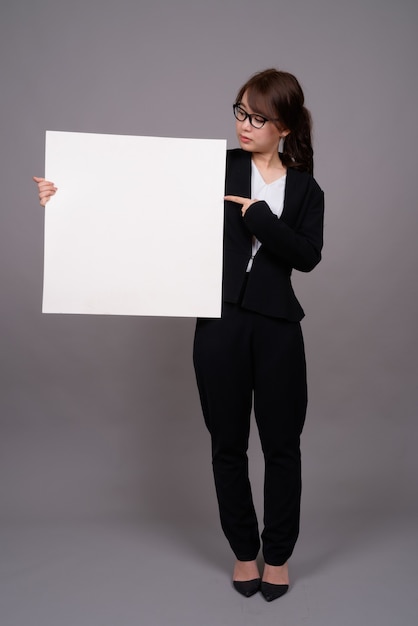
{"x":279,"y":96}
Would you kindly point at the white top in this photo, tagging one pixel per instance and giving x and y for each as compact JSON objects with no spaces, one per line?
{"x":272,"y":193}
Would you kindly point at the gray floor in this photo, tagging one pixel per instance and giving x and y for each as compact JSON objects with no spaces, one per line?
{"x":106,"y":573}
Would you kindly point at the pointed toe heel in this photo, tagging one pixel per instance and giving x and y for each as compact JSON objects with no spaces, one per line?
{"x":272,"y":592}
{"x":247,"y":588}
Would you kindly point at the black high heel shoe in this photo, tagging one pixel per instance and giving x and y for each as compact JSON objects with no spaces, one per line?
{"x":247,"y":588}
{"x":272,"y":592}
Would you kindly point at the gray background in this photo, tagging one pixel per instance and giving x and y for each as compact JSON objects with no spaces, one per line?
{"x":108,"y":513}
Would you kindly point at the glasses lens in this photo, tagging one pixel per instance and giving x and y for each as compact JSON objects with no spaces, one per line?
{"x":258,"y":121}
{"x":239,"y":113}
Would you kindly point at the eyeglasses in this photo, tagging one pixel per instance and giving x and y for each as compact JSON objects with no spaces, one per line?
{"x":256,"y":120}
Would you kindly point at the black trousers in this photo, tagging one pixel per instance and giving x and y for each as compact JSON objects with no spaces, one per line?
{"x":239,"y":359}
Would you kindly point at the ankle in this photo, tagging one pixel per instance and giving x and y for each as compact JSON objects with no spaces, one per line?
{"x":276,"y":574}
{"x":245,"y":570}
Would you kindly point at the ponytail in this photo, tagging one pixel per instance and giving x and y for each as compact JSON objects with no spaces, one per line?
{"x":297,"y":145}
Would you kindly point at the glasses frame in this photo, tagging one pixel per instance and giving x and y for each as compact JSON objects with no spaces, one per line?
{"x":251,"y":116}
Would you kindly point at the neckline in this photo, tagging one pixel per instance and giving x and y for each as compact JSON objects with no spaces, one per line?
{"x":260,"y":175}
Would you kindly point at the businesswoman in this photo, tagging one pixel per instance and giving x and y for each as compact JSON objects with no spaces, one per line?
{"x":254,"y":354}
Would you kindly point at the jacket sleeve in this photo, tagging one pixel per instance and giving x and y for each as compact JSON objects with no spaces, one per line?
{"x":299,"y":245}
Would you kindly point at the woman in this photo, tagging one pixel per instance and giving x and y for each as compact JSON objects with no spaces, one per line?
{"x":273,"y":223}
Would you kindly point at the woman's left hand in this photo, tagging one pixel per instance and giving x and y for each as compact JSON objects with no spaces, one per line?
{"x":246,"y":202}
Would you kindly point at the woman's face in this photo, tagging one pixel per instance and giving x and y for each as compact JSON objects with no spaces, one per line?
{"x":263,"y":140}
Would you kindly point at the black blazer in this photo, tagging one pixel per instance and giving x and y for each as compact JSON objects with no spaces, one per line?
{"x":292,"y":241}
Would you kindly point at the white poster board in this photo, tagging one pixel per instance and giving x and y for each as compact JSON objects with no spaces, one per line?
{"x":136,"y":225}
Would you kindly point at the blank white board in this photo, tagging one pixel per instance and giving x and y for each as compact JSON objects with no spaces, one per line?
{"x":136,"y":226}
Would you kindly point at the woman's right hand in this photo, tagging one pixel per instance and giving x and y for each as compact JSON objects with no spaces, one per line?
{"x":46,"y":189}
